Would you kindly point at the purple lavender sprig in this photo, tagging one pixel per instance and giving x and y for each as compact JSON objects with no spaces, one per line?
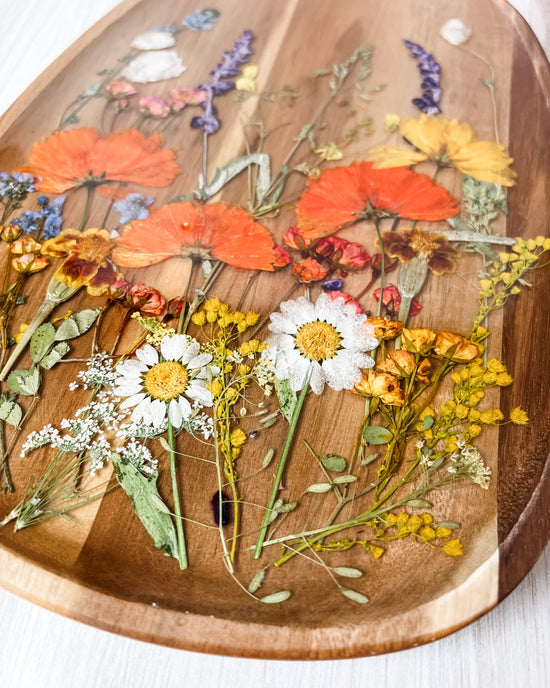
{"x":221,"y":82}
{"x":430,"y":72}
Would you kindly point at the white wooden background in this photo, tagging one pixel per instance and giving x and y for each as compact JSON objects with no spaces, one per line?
{"x":508,"y":647}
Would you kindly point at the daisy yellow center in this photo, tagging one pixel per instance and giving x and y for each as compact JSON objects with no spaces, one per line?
{"x":318,"y":341}
{"x":166,"y":380}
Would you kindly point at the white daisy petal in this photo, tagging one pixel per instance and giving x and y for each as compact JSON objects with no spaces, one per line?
{"x":173,"y":348}
{"x":199,"y":361}
{"x":157,"y":412}
{"x":298,"y":374}
{"x":279,"y":324}
{"x":190,"y":352}
{"x":131,"y":367}
{"x":317,"y":379}
{"x":197,"y":390}
{"x":132,"y":400}
{"x":140,"y":413}
{"x":175,"y":415}
{"x":148,"y":355}
{"x":185,"y":408}
{"x":127,"y":388}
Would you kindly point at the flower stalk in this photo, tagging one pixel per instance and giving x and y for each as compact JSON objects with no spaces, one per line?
{"x":182,"y":552}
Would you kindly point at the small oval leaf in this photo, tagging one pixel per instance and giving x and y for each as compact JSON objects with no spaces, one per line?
{"x":334,"y":462}
{"x":164,"y":444}
{"x":376,"y":434}
{"x":11,"y":413}
{"x":347,"y":572}
{"x":25,"y":382}
{"x":41,"y":341}
{"x":354,"y":595}
{"x":344,"y":479}
{"x":77,"y":324}
{"x":419,"y":503}
{"x":257,"y":581}
{"x":267,"y":458}
{"x":368,"y":459}
{"x":451,"y":525}
{"x":319,"y":488}
{"x":276,"y":597}
{"x":287,"y":397}
{"x":427,"y":422}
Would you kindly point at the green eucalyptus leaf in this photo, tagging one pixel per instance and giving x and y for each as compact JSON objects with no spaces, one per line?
{"x":77,"y":324}
{"x":55,"y":355}
{"x":354,"y":595}
{"x":334,"y":462}
{"x":287,"y":398}
{"x":427,"y":422}
{"x":256,"y":582}
{"x":319,"y":488}
{"x":344,"y":479}
{"x":148,"y":504}
{"x":376,"y":434}
{"x":41,"y":341}
{"x":10,"y":412}
{"x":419,"y":503}
{"x":347,"y":572}
{"x":369,"y":459}
{"x":25,"y":382}
{"x":276,"y":597}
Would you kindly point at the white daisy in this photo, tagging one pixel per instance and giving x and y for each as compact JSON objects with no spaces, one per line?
{"x":325,"y":340}
{"x":160,"y":384}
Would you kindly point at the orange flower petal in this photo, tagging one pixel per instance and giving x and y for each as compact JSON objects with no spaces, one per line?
{"x":343,"y":195}
{"x":218,"y":231}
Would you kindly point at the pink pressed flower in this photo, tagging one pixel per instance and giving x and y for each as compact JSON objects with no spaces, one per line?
{"x":391,"y":299}
{"x":180,"y":97}
{"x":295,"y":239}
{"x":120,"y":89}
{"x":346,"y":254}
{"x":282,"y":257}
{"x":154,"y":106}
{"x":147,"y":299}
{"x":348,"y":298}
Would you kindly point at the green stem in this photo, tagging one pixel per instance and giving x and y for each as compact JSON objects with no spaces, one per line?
{"x":286,"y":450}
{"x":89,"y":193}
{"x":5,"y":464}
{"x":182,"y":553}
{"x":382,"y":267}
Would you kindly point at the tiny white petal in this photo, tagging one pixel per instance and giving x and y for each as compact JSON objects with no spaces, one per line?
{"x":185,"y":408}
{"x":153,"y":66}
{"x":132,"y":400}
{"x":455,"y":32}
{"x":127,"y":388}
{"x":148,"y":355}
{"x":154,"y":40}
{"x":190,"y":352}
{"x":157,"y":412}
{"x":197,"y":390}
{"x":175,"y":415}
{"x":199,"y":361}
{"x":173,"y":348}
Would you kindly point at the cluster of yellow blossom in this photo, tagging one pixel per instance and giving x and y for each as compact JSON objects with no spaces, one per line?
{"x":156,"y":330}
{"x":214,"y":311}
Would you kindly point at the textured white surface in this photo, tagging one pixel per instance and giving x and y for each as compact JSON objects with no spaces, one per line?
{"x":508,"y":647}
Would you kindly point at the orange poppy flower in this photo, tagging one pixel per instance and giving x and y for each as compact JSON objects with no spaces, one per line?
{"x":87,"y":259}
{"x":343,"y":195}
{"x":188,"y":229}
{"x":83,"y":157}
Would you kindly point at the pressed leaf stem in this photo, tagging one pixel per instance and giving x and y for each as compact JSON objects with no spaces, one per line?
{"x":286,"y":450}
{"x":86,"y":212}
{"x":5,"y":464}
{"x":182,"y":553}
{"x":382,"y":267}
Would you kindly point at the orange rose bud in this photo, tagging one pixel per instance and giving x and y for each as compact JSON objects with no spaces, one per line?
{"x":25,"y":245}
{"x":400,"y":363}
{"x":455,"y":347}
{"x":28,"y":263}
{"x":9,"y":233}
{"x":383,"y":386}
{"x":385,"y":327}
{"x":418,"y":340}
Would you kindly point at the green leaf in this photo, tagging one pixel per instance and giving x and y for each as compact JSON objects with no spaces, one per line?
{"x":347,"y":572}
{"x":451,"y":525}
{"x":148,"y":504}
{"x":10,"y":412}
{"x":319,"y":488}
{"x":276,"y":597}
{"x":427,"y":422}
{"x":77,"y":324}
{"x":369,"y":459}
{"x":256,"y":582}
{"x":344,"y":479}
{"x":41,"y":341}
{"x":354,"y":595}
{"x":287,"y":398}
{"x":55,"y":355}
{"x":268,"y":458}
{"x":419,"y":503}
{"x":334,"y":462}
{"x":25,"y":382}
{"x":376,"y":434}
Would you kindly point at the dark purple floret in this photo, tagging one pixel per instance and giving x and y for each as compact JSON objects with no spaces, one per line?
{"x":221,"y":508}
{"x":430,"y":72}
{"x":221,"y":81}
{"x":332,"y":285}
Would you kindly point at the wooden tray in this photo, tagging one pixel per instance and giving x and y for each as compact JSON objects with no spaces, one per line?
{"x":102,"y":568}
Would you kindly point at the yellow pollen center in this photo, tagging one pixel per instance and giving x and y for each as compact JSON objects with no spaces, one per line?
{"x":318,"y":341}
{"x":166,"y":380}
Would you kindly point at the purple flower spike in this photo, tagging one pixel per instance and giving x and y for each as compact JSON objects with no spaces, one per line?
{"x":221,"y":82}
{"x":430,"y":71}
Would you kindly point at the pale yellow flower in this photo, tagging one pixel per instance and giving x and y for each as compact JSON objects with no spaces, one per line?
{"x":447,"y":142}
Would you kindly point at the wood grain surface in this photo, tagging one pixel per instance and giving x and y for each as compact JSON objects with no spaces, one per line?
{"x":102,"y":569}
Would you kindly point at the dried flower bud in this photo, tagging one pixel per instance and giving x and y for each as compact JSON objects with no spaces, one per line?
{"x":10,"y":233}
{"x":309,"y":270}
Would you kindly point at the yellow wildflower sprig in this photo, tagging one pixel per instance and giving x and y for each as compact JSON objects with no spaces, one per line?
{"x":505,"y":276}
{"x":239,"y":364}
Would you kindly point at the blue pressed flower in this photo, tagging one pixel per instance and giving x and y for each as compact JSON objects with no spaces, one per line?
{"x":332,"y":285}
{"x":133,"y":207}
{"x":201,"y":20}
{"x":430,"y":71}
{"x":220,"y":83}
{"x":167,"y":28}
{"x":28,"y":221}
{"x":49,"y":215}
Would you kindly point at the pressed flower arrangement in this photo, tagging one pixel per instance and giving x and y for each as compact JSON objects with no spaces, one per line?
{"x":319,"y":386}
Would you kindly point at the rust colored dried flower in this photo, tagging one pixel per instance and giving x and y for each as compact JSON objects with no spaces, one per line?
{"x":400,"y":363}
{"x":382,"y":386}
{"x":435,"y":249}
{"x":385,"y":327}
{"x":309,"y":270}
{"x":418,"y":340}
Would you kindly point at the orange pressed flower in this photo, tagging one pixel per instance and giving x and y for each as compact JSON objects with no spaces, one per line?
{"x":344,"y":195}
{"x":83,"y":157}
{"x":188,"y":229}
{"x":87,"y":259}
{"x":455,"y":347}
{"x":309,"y":270}
{"x":382,"y":386}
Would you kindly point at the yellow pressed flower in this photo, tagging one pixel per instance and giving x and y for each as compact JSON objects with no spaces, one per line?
{"x":495,"y":366}
{"x":518,"y":416}
{"x":231,"y":393}
{"x":211,"y":316}
{"x":441,"y":532}
{"x":198,"y":318}
{"x":476,"y":397}
{"x":451,"y":445}
{"x":376,"y":552}
{"x":246,"y":82}
{"x":392,"y":518}
{"x":391,"y":122}
{"x":402,"y":518}
{"x":418,"y":340}
{"x":329,"y":152}
{"x":238,"y":316}
{"x":252,"y":318}
{"x":491,"y":417}
{"x":237,"y":438}
{"x":485,"y":284}
{"x":427,"y":533}
{"x":453,"y":548}
{"x":235,"y":452}
{"x":212,"y":305}
{"x":215,"y":387}
{"x":461,"y":411}
{"x":21,"y":332}
{"x":427,"y":518}
{"x":474,"y":415}
{"x":474,"y":430}
{"x":447,"y":142}
{"x":504,"y":379}
{"x":244,"y":369}
{"x":242,"y":326}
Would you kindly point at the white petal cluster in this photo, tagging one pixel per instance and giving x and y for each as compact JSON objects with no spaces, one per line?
{"x":154,"y":40}
{"x":153,"y":66}
{"x":341,"y":370}
{"x":455,"y":32}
